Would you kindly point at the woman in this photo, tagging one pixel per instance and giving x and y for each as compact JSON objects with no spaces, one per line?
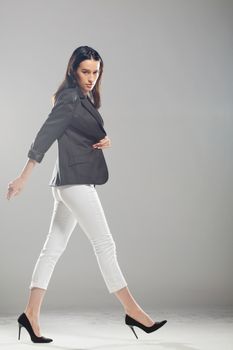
{"x":78,"y":128}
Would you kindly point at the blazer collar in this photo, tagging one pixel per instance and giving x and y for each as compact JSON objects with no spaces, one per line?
{"x":80,"y":93}
{"x":87,"y":103}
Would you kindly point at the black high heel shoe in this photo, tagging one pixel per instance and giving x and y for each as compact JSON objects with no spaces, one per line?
{"x":129,"y":321}
{"x":23,"y":321}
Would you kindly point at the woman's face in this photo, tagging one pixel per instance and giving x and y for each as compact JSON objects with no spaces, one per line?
{"x":87,"y":74}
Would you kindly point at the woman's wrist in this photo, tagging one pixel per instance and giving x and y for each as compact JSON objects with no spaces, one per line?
{"x":27,"y":169}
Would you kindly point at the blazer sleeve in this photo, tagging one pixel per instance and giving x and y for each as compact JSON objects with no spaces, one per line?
{"x":55,"y":124}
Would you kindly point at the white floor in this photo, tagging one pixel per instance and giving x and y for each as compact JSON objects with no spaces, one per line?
{"x":193,"y":329}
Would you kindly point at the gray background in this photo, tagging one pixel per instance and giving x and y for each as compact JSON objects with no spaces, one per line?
{"x":167,"y":108}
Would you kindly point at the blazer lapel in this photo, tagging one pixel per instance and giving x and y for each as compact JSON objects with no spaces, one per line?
{"x":87,"y":103}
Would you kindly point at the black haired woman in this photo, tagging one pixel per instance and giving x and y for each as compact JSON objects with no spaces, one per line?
{"x":78,"y":127}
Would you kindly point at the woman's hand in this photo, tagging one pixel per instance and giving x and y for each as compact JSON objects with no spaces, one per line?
{"x":15,"y":187}
{"x":103,"y":143}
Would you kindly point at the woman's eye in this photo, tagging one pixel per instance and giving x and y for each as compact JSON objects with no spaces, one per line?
{"x":94,"y":72}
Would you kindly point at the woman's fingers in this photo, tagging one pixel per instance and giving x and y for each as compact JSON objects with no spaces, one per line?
{"x":15,"y":187}
{"x":10,"y":193}
{"x":104,"y":143}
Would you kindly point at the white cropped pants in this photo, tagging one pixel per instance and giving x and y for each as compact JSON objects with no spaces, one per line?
{"x":72,"y":204}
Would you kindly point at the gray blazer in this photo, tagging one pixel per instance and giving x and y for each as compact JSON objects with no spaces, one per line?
{"x":76,"y":124}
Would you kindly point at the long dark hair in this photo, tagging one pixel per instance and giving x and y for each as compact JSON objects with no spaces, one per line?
{"x":80,"y":54}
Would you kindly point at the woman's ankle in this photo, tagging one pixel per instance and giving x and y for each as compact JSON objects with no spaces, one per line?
{"x":32,"y":313}
{"x":132,"y":309}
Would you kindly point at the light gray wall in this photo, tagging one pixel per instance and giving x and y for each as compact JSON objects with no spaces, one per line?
{"x":167,"y":107}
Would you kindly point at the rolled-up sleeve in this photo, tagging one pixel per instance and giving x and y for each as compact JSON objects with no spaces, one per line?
{"x":54,"y":126}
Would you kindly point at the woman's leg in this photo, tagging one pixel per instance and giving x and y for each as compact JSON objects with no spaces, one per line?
{"x":32,"y":309}
{"x":132,"y":308}
{"x":85,"y":204}
{"x":62,"y":225}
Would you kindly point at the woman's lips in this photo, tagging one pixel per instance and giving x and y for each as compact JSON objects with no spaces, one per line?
{"x":89,"y":85}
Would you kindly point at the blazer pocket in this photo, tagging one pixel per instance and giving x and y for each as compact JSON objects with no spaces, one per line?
{"x":80,"y":158}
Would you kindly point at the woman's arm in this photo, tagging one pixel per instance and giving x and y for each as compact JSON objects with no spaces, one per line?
{"x":55,"y":124}
{"x":16,"y":186}
{"x":53,"y":127}
{"x":29,"y":166}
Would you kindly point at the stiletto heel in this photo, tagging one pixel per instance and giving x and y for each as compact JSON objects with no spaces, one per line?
{"x":23,"y":321}
{"x":19,"y":330}
{"x":130,"y":321}
{"x":133,"y":331}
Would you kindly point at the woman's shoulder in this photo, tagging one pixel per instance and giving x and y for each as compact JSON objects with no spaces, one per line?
{"x":70,"y":91}
{"x":67,"y":94}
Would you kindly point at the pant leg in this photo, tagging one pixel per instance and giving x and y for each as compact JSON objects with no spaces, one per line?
{"x":85,"y":204}
{"x":61,"y":226}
